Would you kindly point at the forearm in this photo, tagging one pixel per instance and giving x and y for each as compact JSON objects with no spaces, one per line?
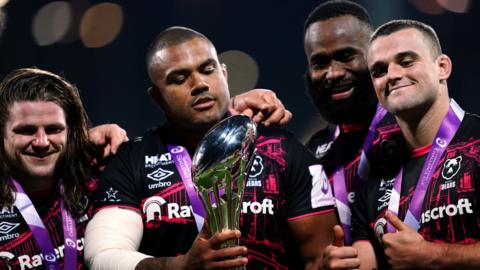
{"x":313,"y":235}
{"x":453,"y":256}
{"x":112,"y":238}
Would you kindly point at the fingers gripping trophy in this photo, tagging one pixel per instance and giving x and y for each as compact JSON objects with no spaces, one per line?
{"x":219,"y":170}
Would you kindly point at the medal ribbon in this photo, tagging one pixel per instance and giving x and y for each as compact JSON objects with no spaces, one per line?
{"x":339,"y":185}
{"x":445,"y":134}
{"x":183,"y":162}
{"x":41,"y":235}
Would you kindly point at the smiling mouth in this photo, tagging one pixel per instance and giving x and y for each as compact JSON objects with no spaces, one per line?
{"x":341,"y":92}
{"x":40,"y":156}
{"x":396,"y":88}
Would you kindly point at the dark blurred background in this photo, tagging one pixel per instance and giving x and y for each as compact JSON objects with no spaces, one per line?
{"x":100,"y":46}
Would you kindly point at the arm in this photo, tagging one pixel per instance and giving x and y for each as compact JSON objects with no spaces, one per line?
{"x":112,"y":238}
{"x":312,"y":234}
{"x":120,"y":231}
{"x":407,"y":248}
{"x":262,"y":105}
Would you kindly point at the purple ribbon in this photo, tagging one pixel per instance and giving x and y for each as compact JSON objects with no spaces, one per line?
{"x":41,"y":235}
{"x":444,"y":136}
{"x":364,"y":164}
{"x":183,"y":162}
{"x":339,"y":185}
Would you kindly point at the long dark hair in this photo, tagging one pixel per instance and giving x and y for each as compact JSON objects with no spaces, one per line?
{"x":74,"y":168}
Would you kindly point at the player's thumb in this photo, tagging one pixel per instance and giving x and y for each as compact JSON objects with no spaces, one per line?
{"x":338,"y":236}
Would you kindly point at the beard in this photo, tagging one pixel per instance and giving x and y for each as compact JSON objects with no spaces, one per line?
{"x":359,"y":107}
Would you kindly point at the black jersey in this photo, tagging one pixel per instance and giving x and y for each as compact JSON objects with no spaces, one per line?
{"x":348,"y":144}
{"x":285,"y":183}
{"x":18,"y":247}
{"x":450,"y":211}
{"x":346,"y":149}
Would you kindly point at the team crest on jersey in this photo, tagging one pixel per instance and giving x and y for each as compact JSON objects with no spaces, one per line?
{"x":451,"y":167}
{"x":159,"y":159}
{"x":257,"y":167}
{"x":322,"y":150}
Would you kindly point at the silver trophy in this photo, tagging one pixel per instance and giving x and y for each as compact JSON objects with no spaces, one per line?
{"x":219,"y":170}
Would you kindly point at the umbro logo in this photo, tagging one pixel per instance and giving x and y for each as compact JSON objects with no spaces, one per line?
{"x":159,"y":174}
{"x":6,"y":227}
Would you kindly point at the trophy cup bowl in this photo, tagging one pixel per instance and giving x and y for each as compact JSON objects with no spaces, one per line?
{"x":220,"y":167}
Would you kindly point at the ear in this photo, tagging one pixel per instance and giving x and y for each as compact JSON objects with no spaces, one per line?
{"x":154,"y":93}
{"x":224,"y":70}
{"x":444,"y":67}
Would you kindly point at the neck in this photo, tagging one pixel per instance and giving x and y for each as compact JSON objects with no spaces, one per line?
{"x":189,"y":138}
{"x":420,"y":127}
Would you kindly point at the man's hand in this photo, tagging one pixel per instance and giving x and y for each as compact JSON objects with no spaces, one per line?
{"x":108,"y":137}
{"x":262,"y":105}
{"x":337,"y":256}
{"x":406,"y":248}
{"x":206,"y":253}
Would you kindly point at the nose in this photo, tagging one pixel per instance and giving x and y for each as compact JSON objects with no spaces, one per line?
{"x":335,"y":71}
{"x":395,"y":72}
{"x":41,"y":139}
{"x":199,"y":84}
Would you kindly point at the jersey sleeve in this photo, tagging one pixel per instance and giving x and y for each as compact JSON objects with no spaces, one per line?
{"x":307,"y":188}
{"x":119,"y":184}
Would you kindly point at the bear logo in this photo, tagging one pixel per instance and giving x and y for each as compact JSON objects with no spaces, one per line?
{"x":451,"y":167}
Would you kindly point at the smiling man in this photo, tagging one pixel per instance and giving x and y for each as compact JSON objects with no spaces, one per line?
{"x":336,"y":38}
{"x":144,"y":206}
{"x":46,"y":170}
{"x":426,"y":215}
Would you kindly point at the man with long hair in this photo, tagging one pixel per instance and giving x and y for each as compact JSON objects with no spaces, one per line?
{"x":46,"y":169}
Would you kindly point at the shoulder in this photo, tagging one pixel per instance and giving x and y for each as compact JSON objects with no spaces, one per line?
{"x":275,"y":135}
{"x":150,"y":137}
{"x":320,"y":142}
{"x":323,"y":135}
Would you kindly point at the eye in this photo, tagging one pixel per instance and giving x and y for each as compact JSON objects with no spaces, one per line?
{"x":25,"y":130}
{"x":378,"y":71}
{"x":319,"y":61}
{"x":54,"y":129}
{"x":346,"y":57}
{"x":208,"y":69}
{"x":407,"y":62}
{"x":178,"y":79}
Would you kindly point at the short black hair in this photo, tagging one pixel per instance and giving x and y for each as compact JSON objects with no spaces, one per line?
{"x":398,"y":25}
{"x":170,"y":37}
{"x":337,"y":8}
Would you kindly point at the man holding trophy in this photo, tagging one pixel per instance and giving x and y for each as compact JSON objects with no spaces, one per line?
{"x":148,"y":213}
